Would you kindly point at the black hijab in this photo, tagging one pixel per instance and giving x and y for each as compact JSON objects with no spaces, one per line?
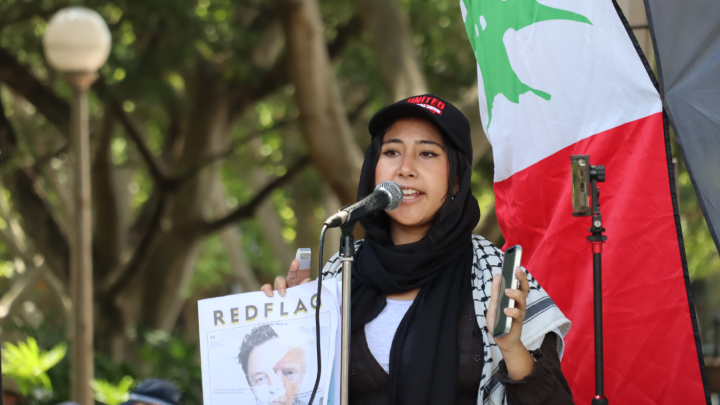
{"x":424,"y":351}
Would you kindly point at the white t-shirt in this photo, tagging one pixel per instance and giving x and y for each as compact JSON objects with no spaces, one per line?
{"x":380,"y":331}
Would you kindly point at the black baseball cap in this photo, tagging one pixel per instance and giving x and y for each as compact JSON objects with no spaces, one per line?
{"x":451,"y":121}
{"x":154,"y":391}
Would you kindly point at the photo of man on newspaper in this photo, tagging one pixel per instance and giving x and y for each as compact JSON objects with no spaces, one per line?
{"x":274,"y":367}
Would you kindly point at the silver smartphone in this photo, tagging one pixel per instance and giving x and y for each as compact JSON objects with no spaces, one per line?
{"x":508,"y":279}
{"x":303,"y":256}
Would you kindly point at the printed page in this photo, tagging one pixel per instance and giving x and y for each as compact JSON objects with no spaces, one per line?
{"x":262,"y":350}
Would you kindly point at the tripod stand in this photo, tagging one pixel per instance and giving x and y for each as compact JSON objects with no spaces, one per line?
{"x":586,"y":177}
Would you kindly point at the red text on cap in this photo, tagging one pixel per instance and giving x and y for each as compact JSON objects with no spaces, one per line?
{"x":431,"y":103}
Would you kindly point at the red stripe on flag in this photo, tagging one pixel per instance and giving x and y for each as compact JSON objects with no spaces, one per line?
{"x":650,"y":352}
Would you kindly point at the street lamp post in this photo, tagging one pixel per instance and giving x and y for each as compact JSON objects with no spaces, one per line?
{"x":77,"y":43}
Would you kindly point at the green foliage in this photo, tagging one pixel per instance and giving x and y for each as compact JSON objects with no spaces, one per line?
{"x":112,"y":394}
{"x":168,"y":356}
{"x":28,"y":364}
{"x":174,"y":358}
{"x":702,"y":255}
{"x":444,"y":49}
{"x":212,"y":265}
{"x":287,"y":214}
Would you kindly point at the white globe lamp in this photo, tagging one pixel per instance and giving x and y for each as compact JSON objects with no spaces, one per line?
{"x":76,"y":40}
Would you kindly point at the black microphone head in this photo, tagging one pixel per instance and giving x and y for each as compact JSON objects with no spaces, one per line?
{"x":396,"y":195}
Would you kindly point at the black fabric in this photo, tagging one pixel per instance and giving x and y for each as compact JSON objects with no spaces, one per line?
{"x":686,"y":38}
{"x":545,"y":385}
{"x":369,"y":383}
{"x":471,"y":351}
{"x":424,"y":352}
{"x":434,"y":109}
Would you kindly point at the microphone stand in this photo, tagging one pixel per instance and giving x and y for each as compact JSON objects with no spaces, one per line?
{"x":597,"y":239}
{"x":347,"y":253}
{"x":387,"y":196}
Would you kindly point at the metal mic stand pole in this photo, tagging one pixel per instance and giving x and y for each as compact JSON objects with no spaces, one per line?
{"x":596,"y":239}
{"x":347,"y":252}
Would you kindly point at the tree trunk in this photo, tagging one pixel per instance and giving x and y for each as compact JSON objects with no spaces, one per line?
{"x":322,"y":115}
{"x":470,"y":106}
{"x":267,"y":214}
{"x":170,"y":267}
{"x":108,"y":230}
{"x":240,"y":271}
{"x":392,"y":40}
{"x":241,"y":278}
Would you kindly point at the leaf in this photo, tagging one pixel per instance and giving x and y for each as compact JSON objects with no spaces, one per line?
{"x":28,"y":364}
{"x":111,"y":394}
{"x":53,"y":357}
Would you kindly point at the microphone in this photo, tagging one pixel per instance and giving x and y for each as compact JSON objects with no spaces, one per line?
{"x":386,"y":197}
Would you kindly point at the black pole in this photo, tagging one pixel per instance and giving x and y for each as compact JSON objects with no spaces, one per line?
{"x":347,"y":241}
{"x":597,"y":239}
{"x":599,"y":398}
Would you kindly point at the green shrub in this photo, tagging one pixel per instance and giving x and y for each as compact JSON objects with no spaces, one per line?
{"x":111,"y":394}
{"x":27,"y":364}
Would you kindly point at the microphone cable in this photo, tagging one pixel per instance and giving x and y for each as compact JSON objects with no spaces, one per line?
{"x":317,"y":313}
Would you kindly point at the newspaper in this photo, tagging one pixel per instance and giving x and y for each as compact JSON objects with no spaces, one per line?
{"x":262,"y":350}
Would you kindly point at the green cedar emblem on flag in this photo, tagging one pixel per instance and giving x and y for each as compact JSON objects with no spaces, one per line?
{"x":486,"y":22}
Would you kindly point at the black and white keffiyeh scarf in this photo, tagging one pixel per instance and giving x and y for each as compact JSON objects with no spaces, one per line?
{"x":542,"y":315}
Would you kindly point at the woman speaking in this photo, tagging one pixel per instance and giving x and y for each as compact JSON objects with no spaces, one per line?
{"x":424,"y":288}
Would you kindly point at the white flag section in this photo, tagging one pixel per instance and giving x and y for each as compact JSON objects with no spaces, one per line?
{"x":570,"y":59}
{"x":263,"y":350}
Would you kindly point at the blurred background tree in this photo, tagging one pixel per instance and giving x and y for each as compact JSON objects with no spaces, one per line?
{"x":223,"y":133}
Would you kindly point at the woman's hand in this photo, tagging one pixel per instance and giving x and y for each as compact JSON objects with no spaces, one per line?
{"x":517,"y":358}
{"x":295,"y":277}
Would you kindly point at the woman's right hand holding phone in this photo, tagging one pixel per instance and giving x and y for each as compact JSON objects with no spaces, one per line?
{"x":294,"y":278}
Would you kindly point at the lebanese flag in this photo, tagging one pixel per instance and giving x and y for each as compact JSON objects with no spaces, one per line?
{"x":562,"y":78}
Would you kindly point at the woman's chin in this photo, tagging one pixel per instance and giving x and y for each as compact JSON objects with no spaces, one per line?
{"x":411,"y":221}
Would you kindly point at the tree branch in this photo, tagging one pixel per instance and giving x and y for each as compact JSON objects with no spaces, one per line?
{"x":344,"y":33}
{"x":21,"y":80}
{"x":119,"y":278}
{"x":240,"y":271}
{"x":37,"y":218}
{"x":323,"y":118}
{"x":18,"y":287}
{"x":189,"y":173}
{"x":164,"y":179}
{"x":158,"y":169}
{"x":248,"y":209}
{"x":277,"y":76}
{"x":14,"y":238}
{"x":42,"y":160}
{"x":246,"y":95}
